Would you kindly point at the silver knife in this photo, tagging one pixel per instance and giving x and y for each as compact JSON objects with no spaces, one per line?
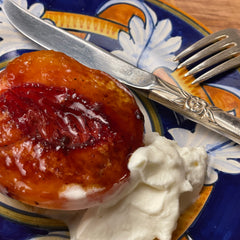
{"x":51,"y":37}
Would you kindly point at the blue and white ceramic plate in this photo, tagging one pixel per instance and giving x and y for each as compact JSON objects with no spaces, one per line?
{"x":148,"y":34}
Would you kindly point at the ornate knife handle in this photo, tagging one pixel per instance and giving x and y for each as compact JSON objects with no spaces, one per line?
{"x":196,"y":109}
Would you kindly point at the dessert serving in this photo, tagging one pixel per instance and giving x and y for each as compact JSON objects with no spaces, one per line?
{"x":66,"y":132}
{"x":148,"y":34}
{"x":71,"y":138}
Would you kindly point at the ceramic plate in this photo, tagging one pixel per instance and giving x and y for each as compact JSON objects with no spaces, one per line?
{"x":148,"y":34}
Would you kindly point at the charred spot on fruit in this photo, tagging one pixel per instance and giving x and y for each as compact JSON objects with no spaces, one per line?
{"x":56,"y":117}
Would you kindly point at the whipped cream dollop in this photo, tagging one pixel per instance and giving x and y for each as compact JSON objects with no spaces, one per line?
{"x":164,"y":180}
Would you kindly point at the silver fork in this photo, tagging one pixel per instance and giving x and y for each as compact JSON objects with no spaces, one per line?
{"x":219,"y":52}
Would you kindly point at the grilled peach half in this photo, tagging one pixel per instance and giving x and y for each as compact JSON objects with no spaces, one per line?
{"x":66,"y":132}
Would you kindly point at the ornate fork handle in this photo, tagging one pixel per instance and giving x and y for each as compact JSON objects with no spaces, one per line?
{"x":196,"y":109}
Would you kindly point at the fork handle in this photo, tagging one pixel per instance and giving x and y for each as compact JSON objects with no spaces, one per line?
{"x":197,"y":110}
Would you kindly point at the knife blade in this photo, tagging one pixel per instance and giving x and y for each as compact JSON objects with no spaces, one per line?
{"x":52,"y":37}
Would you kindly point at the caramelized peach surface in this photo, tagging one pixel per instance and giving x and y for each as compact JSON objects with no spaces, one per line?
{"x":63,"y":124}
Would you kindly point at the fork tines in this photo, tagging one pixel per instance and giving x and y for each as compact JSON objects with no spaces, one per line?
{"x":215,"y":53}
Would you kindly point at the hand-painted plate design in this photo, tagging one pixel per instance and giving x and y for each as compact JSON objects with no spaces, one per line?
{"x":148,"y":34}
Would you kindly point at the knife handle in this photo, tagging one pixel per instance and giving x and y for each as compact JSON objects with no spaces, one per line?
{"x":197,"y":110}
